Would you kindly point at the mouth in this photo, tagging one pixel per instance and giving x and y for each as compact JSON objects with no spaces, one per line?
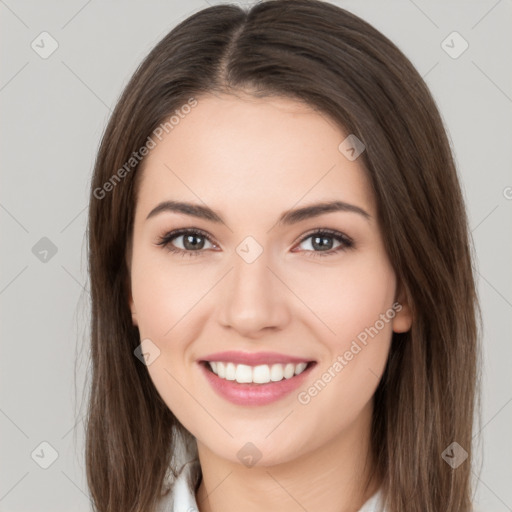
{"x":256,"y":384}
{"x":255,"y":378}
{"x":256,"y":374}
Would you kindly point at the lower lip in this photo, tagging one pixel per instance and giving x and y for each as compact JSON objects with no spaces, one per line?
{"x":254,"y":394}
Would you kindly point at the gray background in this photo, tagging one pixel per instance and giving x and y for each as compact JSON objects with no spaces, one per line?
{"x":53,"y":113}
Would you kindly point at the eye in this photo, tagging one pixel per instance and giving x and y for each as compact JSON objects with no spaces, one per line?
{"x":321,"y":239}
{"x":192,"y":243}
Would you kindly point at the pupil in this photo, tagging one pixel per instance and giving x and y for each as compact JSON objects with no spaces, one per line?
{"x":190,"y":245}
{"x":323,"y":244}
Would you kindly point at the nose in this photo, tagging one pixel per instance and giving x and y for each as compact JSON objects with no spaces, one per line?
{"x":253,"y":300}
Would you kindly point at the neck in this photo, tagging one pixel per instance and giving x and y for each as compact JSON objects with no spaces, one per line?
{"x":331,"y":478}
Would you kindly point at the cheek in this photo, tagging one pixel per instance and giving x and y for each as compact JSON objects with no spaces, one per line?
{"x":164,"y":294}
{"x":166,"y":297}
{"x":348,"y":298}
{"x":355,"y":306}
{"x":368,"y":295}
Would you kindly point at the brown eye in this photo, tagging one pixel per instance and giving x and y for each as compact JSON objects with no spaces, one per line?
{"x":322,"y":242}
{"x":191,"y":241}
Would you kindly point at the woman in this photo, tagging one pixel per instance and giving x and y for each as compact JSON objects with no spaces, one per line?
{"x":283,"y":303}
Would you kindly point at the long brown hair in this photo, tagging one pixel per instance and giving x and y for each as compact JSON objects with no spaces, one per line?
{"x":322,"y":55}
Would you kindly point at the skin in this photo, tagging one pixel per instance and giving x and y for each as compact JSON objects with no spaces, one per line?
{"x":251,"y":159}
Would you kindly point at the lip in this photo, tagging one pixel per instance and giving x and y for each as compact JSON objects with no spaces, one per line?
{"x":254,"y":394}
{"x":254,"y":358}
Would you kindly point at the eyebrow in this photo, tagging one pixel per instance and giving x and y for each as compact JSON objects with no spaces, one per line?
{"x":288,"y":217}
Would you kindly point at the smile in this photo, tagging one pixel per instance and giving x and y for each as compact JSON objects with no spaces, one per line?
{"x":261,"y":374}
{"x":255,"y":378}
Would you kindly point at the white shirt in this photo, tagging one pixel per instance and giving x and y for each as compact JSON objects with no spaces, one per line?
{"x":180,"y":496}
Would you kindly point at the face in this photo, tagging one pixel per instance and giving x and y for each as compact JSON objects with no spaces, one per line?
{"x":241,"y":273}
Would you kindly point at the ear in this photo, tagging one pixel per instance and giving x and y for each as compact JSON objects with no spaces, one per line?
{"x":128,"y":285}
{"x":402,"y":320}
{"x":132,"y":309}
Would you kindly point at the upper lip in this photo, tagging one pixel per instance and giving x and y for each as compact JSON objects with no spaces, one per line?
{"x":254,"y":358}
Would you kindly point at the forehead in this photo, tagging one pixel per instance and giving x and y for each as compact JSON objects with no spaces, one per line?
{"x":252,"y":152}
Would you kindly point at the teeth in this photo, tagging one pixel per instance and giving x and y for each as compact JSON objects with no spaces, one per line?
{"x":261,"y":374}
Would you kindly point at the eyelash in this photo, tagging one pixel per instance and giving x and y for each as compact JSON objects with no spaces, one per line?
{"x":345,"y":241}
